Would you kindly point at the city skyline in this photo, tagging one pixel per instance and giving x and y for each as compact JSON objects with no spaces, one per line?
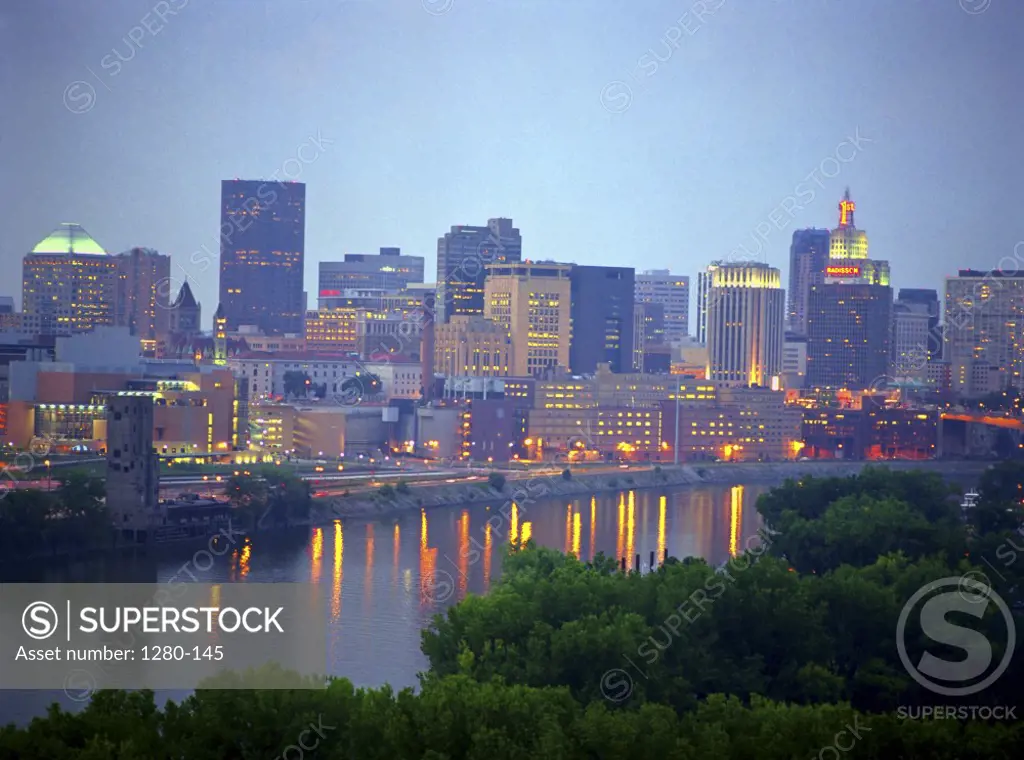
{"x":892,"y":171}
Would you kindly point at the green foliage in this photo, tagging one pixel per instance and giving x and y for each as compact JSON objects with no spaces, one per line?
{"x":496,"y":481}
{"x":386,"y":491}
{"x":297,"y":384}
{"x":272,"y":498}
{"x":71,"y":518}
{"x":403,"y":488}
{"x":566,"y":474}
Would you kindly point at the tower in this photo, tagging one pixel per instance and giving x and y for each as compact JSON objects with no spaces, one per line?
{"x":847,"y":242}
{"x":186,"y":312}
{"x":132,"y":479}
{"x":220,"y":337}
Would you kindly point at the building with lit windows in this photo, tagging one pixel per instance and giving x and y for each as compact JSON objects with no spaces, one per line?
{"x":473,"y":346}
{"x":532,"y":302}
{"x":849,"y":326}
{"x":672,"y":293}
{"x":703,"y":288}
{"x":746,"y":314}
{"x":846,"y":241}
{"x":983,"y":339}
{"x":142,"y":300}
{"x":911,"y":334}
{"x":331,"y":330}
{"x":264,"y":372}
{"x":69,"y":284}
{"x":263,"y":230}
{"x":463,"y":255}
{"x":388,"y":270}
{"x":808,"y":254}
{"x":602,"y":318}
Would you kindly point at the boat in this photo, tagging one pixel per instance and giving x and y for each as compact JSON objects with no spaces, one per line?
{"x":970,"y":500}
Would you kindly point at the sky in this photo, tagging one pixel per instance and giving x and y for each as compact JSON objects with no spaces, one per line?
{"x":634,"y":133}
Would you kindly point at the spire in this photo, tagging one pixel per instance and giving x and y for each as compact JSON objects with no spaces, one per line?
{"x":846,"y":209}
{"x":185,"y":298}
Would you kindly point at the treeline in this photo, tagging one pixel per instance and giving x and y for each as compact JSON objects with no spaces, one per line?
{"x":269,"y":497}
{"x":459,"y":718}
{"x":37,"y":523}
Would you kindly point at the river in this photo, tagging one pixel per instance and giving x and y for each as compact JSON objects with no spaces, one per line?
{"x":383,"y":581}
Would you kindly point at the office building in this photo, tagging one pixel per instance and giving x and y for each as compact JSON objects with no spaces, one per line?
{"x":472,"y":347}
{"x":133,"y":481}
{"x":389,"y":271}
{"x":602,"y":318}
{"x":846,"y":241}
{"x":649,"y":335}
{"x":794,"y":361}
{"x":746,"y":314}
{"x":463,"y":255}
{"x":849,"y":326}
{"x":703,"y":287}
{"x":263,"y":229}
{"x":69,"y":284}
{"x":929,"y":300}
{"x":910,"y":339}
{"x":983,"y":339}
{"x":143,"y":298}
{"x":672,"y":292}
{"x":532,"y":303}
{"x":808,"y":254}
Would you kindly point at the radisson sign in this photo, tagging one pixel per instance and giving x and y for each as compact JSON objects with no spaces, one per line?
{"x":844,"y":271}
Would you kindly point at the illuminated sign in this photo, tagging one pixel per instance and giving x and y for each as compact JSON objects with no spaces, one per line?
{"x":846,"y":209}
{"x":847,"y":271}
{"x":327,"y":293}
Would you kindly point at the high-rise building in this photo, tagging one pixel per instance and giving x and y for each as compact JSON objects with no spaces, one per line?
{"x":846,"y":241}
{"x":602,"y":318}
{"x":746,"y":315}
{"x":388,"y":270}
{"x":983,"y":330}
{"x":910,"y":338}
{"x":472,"y":347}
{"x":531,"y":301}
{"x":133,"y":482}
{"x":929,"y":299}
{"x":659,"y":286}
{"x":703,"y":287}
{"x":808,"y":255}
{"x":142,"y":300}
{"x":69,"y":284}
{"x":648,"y":333}
{"x":185,"y":312}
{"x":462,"y":257}
{"x":849,"y":326}
{"x":263,"y":231}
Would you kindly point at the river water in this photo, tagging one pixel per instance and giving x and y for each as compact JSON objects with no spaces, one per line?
{"x":383,"y":581}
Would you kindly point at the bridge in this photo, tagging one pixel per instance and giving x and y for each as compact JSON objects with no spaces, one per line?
{"x":999,"y":421}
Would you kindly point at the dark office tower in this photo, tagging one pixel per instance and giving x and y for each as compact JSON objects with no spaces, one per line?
{"x":929,"y":300}
{"x":388,"y":270}
{"x":462,"y":256}
{"x":602,"y":318}
{"x":263,"y":230}
{"x":808,"y":255}
{"x":848,"y":334}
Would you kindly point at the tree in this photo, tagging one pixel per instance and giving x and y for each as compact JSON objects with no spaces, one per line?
{"x":566,"y":474}
{"x":496,"y":481}
{"x":296,"y":384}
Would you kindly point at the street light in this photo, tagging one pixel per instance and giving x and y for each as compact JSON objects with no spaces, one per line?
{"x":49,"y":482}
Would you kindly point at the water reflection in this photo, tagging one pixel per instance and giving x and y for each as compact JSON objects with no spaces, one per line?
{"x":338,"y":573}
{"x":735,"y":519}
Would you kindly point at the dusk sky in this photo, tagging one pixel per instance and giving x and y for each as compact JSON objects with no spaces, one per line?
{"x":406,"y":117}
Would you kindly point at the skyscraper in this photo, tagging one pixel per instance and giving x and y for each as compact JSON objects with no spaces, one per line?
{"x":908,"y":347}
{"x":849,"y":326}
{"x":703,"y":287}
{"x":659,"y":286}
{"x":929,"y":300}
{"x":847,"y":242}
{"x":808,"y":254}
{"x":142,"y":301}
{"x":984,"y":331}
{"x":532,"y":303}
{"x":602,"y":318}
{"x":388,"y":270}
{"x":69,"y":284}
{"x":746,"y":315}
{"x":263,"y":230}
{"x":462,"y":257}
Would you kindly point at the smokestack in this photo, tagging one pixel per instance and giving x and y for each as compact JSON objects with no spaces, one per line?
{"x":427,"y":348}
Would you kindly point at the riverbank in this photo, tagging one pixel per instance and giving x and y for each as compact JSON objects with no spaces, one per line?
{"x":527,"y":488}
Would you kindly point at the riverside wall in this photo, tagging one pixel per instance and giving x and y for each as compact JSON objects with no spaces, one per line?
{"x":525,"y":488}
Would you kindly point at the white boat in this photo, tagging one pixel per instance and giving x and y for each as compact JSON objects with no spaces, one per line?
{"x":970,"y":500}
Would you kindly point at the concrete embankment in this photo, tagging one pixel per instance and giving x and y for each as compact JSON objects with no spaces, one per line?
{"x":530,"y":488}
